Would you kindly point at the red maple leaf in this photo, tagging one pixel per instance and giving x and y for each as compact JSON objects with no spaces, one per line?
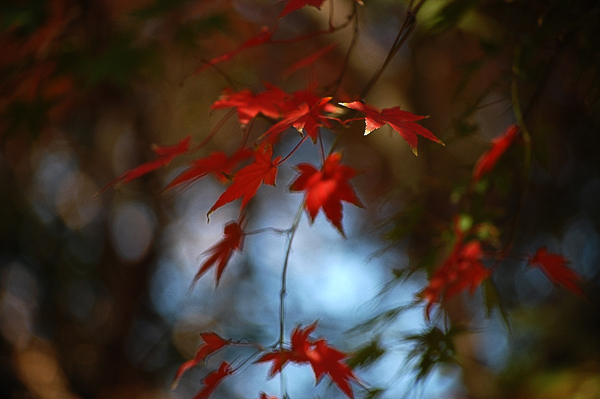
{"x":213,"y":379}
{"x":323,"y":359}
{"x":293,"y":5}
{"x":326,"y":189}
{"x":221,"y":252}
{"x":297,"y":352}
{"x":263,"y":36}
{"x":555,"y":268}
{"x":270,"y":103}
{"x":488,"y":159}
{"x":461,"y":270}
{"x":212,"y":343}
{"x":165,"y":156}
{"x":216,"y":163}
{"x":305,"y":111}
{"x":401,"y":121}
{"x":248,"y":179}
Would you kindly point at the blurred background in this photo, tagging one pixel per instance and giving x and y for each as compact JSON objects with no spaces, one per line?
{"x":94,"y":289}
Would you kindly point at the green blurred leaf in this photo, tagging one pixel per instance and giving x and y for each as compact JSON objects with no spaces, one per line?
{"x":492,"y":302}
{"x":433,"y":347}
{"x":374,"y":393}
{"x":366,"y":355}
{"x":404,"y":222}
{"x":451,"y":15}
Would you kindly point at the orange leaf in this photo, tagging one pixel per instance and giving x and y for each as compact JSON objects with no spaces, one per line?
{"x":326,"y":189}
{"x":555,"y":268}
{"x":221,"y":252}
{"x":212,"y":343}
{"x":401,"y":121}
{"x":248,"y":179}
{"x":488,"y":159}
{"x":165,"y":156}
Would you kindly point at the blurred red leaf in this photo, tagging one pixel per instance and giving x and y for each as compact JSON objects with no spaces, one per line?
{"x":461,"y":270}
{"x":213,"y":379}
{"x":165,"y":156}
{"x":248,"y":179}
{"x":263,"y":36}
{"x":212,"y":343}
{"x":221,"y":252}
{"x":555,"y":268}
{"x":401,"y":121}
{"x":488,"y":159}
{"x":325,"y":359}
{"x":327,"y":188}
{"x":217,"y":163}
{"x":293,"y":5}
{"x":310,"y":59}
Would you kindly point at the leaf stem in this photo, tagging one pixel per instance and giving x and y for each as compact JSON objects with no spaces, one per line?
{"x":517,"y":108}
{"x":266,"y":229}
{"x":334,"y":87}
{"x":214,"y":130}
{"x":331,"y":29}
{"x":293,"y":151}
{"x":291,"y":233}
{"x":516,"y":71}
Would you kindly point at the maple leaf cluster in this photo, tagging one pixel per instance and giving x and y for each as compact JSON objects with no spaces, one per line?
{"x":325,"y":187}
{"x":323,"y":358}
{"x":255,"y":163}
{"x":212,"y":343}
{"x":462,"y":270}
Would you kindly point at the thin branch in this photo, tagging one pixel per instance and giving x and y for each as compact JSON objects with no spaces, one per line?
{"x":408,"y":25}
{"x":334,"y":87}
{"x":291,"y":233}
{"x":214,"y":130}
{"x":293,"y":151}
{"x":283,"y":292}
{"x":331,"y":29}
{"x":267,"y":229}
